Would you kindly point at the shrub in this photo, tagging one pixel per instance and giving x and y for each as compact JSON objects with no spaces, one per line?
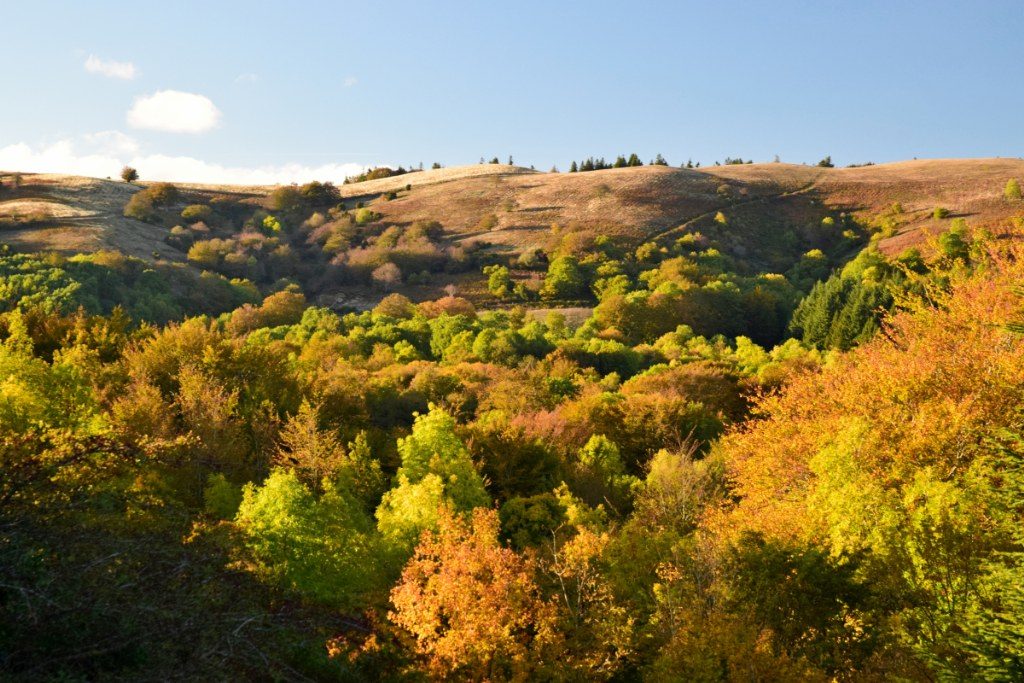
{"x":387,"y":276}
{"x":499,"y":283}
{"x":940,"y":212}
{"x":140,"y":207}
{"x":196,"y":212}
{"x":271,"y":225}
{"x":163,"y":193}
{"x":318,"y":193}
{"x":563,"y":280}
{"x":364,"y":215}
{"x":488,"y":222}
{"x":286,"y":198}
{"x":129,"y":174}
{"x":1012,"y":189}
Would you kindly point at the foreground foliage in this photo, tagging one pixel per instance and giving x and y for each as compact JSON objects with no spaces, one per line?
{"x":425,"y":491}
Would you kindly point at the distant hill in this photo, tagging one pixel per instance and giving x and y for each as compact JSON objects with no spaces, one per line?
{"x":71,"y":214}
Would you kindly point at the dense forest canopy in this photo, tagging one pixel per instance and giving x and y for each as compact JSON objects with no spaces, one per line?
{"x":766,"y":452}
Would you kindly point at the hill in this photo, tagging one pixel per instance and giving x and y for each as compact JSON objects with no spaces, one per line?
{"x":72,"y":214}
{"x":762,"y":216}
{"x":83,"y":214}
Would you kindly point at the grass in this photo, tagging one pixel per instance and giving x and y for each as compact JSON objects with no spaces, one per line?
{"x":631,"y":204}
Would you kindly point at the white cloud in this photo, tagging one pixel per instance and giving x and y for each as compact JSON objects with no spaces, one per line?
{"x":110,"y":68}
{"x":247,"y":78}
{"x":174,"y":112}
{"x":111,"y":143}
{"x":88,"y":157}
{"x":189,"y":169}
{"x":350,"y":81}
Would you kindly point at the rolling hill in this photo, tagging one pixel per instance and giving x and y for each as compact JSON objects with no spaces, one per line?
{"x":83,"y":214}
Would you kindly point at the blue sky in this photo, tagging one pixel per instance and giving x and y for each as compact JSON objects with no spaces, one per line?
{"x":289,"y":90}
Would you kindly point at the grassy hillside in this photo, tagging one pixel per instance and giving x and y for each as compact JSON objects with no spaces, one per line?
{"x":83,"y":214}
{"x":764,"y":217}
{"x":71,"y":214}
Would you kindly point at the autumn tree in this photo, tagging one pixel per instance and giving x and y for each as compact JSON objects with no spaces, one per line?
{"x":129,"y":174}
{"x":314,"y":454}
{"x":473,"y":606}
{"x":387,"y":276}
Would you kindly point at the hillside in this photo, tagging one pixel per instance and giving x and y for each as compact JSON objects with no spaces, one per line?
{"x":71,"y":214}
{"x":78,"y":214}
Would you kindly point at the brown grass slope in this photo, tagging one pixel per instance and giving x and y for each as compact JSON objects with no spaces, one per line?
{"x":72,"y":214}
{"x":634,"y":203}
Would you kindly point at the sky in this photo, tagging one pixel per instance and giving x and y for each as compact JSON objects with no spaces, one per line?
{"x":266,"y":92}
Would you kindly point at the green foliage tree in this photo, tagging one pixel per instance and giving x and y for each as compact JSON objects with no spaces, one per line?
{"x":499,"y":282}
{"x":564,"y":279}
{"x":812,"y":606}
{"x":436,"y":470}
{"x":322,"y":547}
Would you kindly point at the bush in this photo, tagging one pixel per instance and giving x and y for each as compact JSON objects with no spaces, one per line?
{"x":319,"y":194}
{"x":364,"y":215}
{"x":387,"y":276}
{"x":940,"y":212}
{"x":564,"y":280}
{"x":1012,"y":189}
{"x":499,"y":283}
{"x":140,"y":207}
{"x":488,"y":222}
{"x":129,"y":174}
{"x":196,"y":212}
{"x":286,"y":198}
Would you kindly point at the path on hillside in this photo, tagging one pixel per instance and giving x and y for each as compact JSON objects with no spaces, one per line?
{"x":762,"y":198}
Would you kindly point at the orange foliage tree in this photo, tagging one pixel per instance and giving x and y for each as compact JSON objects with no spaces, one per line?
{"x":472,"y":606}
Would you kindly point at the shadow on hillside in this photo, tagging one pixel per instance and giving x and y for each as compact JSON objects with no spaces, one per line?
{"x":771,"y":234}
{"x":538,"y":209}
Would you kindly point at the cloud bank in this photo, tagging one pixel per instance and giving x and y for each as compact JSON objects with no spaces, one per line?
{"x":174,"y":111}
{"x":103,"y":155}
{"x":110,"y":68}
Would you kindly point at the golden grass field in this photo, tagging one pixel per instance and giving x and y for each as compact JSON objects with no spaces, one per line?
{"x":85,"y":214}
